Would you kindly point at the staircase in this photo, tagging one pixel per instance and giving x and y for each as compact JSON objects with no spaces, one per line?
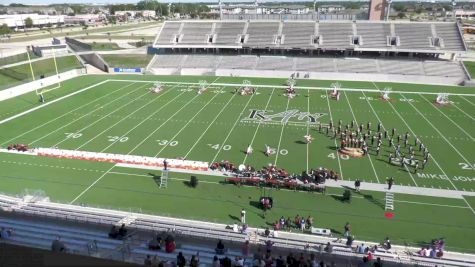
{"x":389,"y":201}
{"x":164,"y":179}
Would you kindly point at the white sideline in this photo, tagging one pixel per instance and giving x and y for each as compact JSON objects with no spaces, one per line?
{"x":296,"y":87}
{"x":51,"y":102}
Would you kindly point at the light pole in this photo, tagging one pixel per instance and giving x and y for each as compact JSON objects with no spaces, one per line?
{"x":389,"y":9}
{"x":453,"y":9}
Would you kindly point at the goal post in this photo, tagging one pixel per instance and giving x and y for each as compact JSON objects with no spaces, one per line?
{"x":41,"y":91}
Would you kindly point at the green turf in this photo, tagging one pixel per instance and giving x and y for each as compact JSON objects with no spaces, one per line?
{"x":127,"y":61}
{"x":104,"y":46}
{"x":470,"y":65}
{"x":16,"y":58}
{"x":22,"y":73}
{"x":180,"y":123}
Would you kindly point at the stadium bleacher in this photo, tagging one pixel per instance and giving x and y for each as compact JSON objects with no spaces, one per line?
{"x":334,"y":35}
{"x":68,"y":221}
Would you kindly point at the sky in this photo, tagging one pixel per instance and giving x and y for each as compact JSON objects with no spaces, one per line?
{"x":45,"y":2}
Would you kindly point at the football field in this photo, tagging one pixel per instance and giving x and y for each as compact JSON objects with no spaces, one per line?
{"x":122,"y":116}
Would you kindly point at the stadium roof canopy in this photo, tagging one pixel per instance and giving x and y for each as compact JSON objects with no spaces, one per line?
{"x":417,"y":37}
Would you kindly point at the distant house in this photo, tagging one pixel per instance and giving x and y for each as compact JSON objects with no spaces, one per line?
{"x":17,"y":21}
{"x":84,"y":19}
{"x":330,"y":8}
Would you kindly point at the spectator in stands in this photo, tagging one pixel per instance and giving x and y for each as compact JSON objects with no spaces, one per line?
{"x":329,"y":248}
{"x":122,"y":231}
{"x":220,"y":250}
{"x":155,"y":243}
{"x":279,"y":262}
{"x":361,"y":249}
{"x":349,"y":241}
{"x":216,"y":262}
{"x":195,"y":261}
{"x":226,"y":262}
{"x":147,"y":261}
{"x":378,"y":262}
{"x":170,"y":244}
{"x":113,"y":233}
{"x":155,"y":261}
{"x":246,"y":249}
{"x":269,"y":245}
{"x":313,"y":261}
{"x":180,"y":260}
{"x":309,"y":222}
{"x":238,"y":262}
{"x":370,"y":256}
{"x":364,"y":262}
{"x":387,"y":244}
{"x":58,"y":245}
{"x":267,"y":232}
{"x":5,"y":233}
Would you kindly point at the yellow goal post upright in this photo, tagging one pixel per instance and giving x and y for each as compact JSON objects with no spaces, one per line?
{"x":40,"y":91}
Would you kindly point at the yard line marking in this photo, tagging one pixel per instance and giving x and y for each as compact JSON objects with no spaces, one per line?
{"x":98,"y":120}
{"x":470,"y":102}
{"x":299,"y":87}
{"x":281,"y":133}
{"x":53,"y":101}
{"x":356,"y":121}
{"x":184,"y":126}
{"x":379,"y":120}
{"x":95,"y":182}
{"x":122,"y":119}
{"x":232,"y":128}
{"x":169,"y":118}
{"x":466,"y":114}
{"x":144,"y":120}
{"x":456,"y":124}
{"x":258,"y":125}
{"x":209,"y":126}
{"x":414,"y":134}
{"x":336,"y":145}
{"x":443,"y":137}
{"x":308,"y":124}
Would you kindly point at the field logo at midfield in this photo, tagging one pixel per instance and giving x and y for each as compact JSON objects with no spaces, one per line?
{"x":292,"y":117}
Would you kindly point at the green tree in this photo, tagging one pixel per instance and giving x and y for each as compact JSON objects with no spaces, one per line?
{"x":401,"y":15}
{"x":4,"y":29}
{"x":28,"y":22}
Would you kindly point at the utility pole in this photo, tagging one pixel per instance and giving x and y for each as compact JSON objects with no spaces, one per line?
{"x":389,"y":9}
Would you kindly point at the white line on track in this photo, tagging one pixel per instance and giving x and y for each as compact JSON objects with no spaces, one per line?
{"x":73,"y":121}
{"x":98,"y":120}
{"x":258,"y":125}
{"x":466,"y":114}
{"x":336,"y":145}
{"x":89,"y":187}
{"x":122,"y":119}
{"x":234,"y":125}
{"x":281,"y":133}
{"x":470,"y":102}
{"x":356,"y":121}
{"x":59,"y":117}
{"x":458,"y":126}
{"x":51,"y":102}
{"x":209,"y":126}
{"x":384,"y":128}
{"x":143,"y":121}
{"x":186,"y":124}
{"x":443,"y":137}
{"x":414,"y":134}
{"x":308,"y":124}
{"x":301,"y":87}
{"x":163,"y":123}
{"x":169,"y":118}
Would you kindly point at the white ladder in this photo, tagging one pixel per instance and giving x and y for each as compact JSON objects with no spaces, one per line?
{"x":389,"y":201}
{"x":164,"y":179}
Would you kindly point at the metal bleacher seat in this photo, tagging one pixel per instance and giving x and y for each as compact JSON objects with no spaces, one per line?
{"x":201,"y":61}
{"x":169,"y":29}
{"x":238,"y":62}
{"x":335,"y":34}
{"x":298,"y":34}
{"x":196,"y":32}
{"x":168,"y":61}
{"x":451,"y":36}
{"x":374,"y":35}
{"x":403,"y":67}
{"x":414,"y":35}
{"x":262,"y":33}
{"x":362,"y":65}
{"x":274,"y":63}
{"x":227,"y":33}
{"x":443,"y":68}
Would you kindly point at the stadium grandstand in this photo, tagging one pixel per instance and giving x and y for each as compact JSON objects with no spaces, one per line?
{"x":367,"y":50}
